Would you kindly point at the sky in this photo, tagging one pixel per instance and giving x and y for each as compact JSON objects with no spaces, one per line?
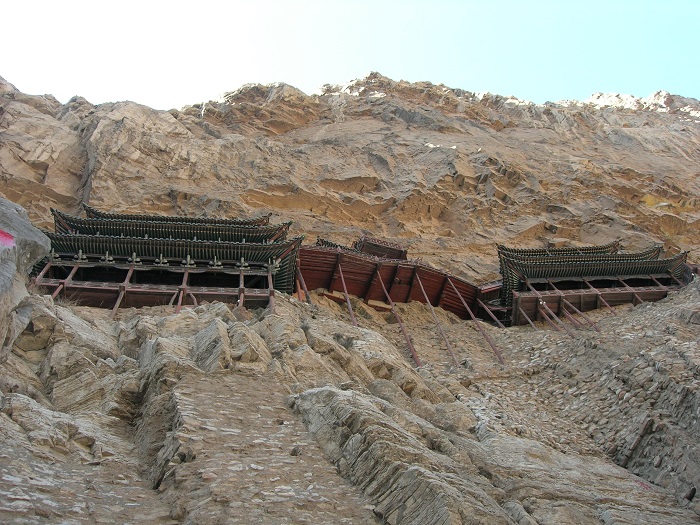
{"x":168,"y":54}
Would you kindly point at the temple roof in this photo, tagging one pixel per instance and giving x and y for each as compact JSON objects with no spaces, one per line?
{"x":68,"y":224}
{"x":201,"y":253}
{"x":96,"y":214}
{"x":517,"y":270}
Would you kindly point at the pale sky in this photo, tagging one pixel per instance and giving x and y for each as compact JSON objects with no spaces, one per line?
{"x":167,"y":54}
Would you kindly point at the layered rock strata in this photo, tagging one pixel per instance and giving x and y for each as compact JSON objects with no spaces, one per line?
{"x":443,"y":171}
{"x":260,"y":417}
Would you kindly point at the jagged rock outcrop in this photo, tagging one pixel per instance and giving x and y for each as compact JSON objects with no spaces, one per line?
{"x":444,"y":171}
{"x":217,"y":414}
{"x":21,"y":246}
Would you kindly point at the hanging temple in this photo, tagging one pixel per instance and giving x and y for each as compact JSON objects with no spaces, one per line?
{"x":117,"y":260}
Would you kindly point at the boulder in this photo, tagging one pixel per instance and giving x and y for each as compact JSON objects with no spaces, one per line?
{"x":21,"y":246}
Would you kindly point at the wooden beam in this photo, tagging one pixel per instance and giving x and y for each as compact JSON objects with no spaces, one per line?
{"x":476,"y":322}
{"x":678,"y":281}
{"x":183,"y":290}
{"x":566,"y":302}
{"x":658,"y":283}
{"x":194,"y":299}
{"x":528,"y":319}
{"x":488,"y":311}
{"x":347,"y":297}
{"x":122,"y":291}
{"x":437,"y":322}
{"x":65,"y":282}
{"x":300,"y":276}
{"x":634,"y":294}
{"x":416,"y":359}
{"x":599,"y":297}
{"x":548,"y":310}
{"x":241,"y":286}
{"x":372,"y":282}
{"x":270,"y":290}
{"x":546,"y":317}
{"x":40,"y":276}
{"x":338,"y":255}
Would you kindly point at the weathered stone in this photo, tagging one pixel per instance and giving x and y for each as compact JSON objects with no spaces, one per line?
{"x":21,"y":245}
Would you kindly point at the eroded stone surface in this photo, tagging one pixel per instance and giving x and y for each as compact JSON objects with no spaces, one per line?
{"x":296,"y":416}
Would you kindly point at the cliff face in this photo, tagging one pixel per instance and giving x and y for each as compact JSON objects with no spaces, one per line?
{"x":445,"y":172}
{"x":291,"y":414}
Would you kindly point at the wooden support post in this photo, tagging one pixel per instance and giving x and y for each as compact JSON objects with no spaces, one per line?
{"x":599,"y":297}
{"x":183,"y":290}
{"x":635,"y":296}
{"x":65,"y":282}
{"x":658,"y":283}
{"x":570,"y":305}
{"x":122,"y":291}
{"x":40,"y":276}
{"x":528,"y":319}
{"x":241,"y":287}
{"x":303,"y":284}
{"x":678,"y":281}
{"x":416,"y":359}
{"x":347,"y":297}
{"x":546,"y":316}
{"x":270,"y":290}
{"x":488,"y":311}
{"x":514,"y":313}
{"x":476,"y":322}
{"x":549,"y":310}
{"x":338,"y":255}
{"x":437,"y":322}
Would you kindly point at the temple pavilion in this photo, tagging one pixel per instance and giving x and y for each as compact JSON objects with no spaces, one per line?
{"x":120,"y":260}
{"x":549,"y":284}
{"x":115,"y":260}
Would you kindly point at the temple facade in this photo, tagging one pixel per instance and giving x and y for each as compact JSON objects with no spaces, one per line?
{"x":126,"y":260}
{"x":113,"y":260}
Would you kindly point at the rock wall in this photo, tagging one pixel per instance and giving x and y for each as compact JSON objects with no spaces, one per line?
{"x":442,"y":171}
{"x":21,"y":246}
{"x":215,"y":415}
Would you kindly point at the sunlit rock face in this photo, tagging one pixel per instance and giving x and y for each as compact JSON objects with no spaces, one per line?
{"x":446,"y":172}
{"x":290,"y":414}
{"x":21,"y":246}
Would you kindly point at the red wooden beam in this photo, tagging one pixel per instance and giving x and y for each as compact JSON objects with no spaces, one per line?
{"x":347,"y":297}
{"x":488,"y":311}
{"x":546,"y":316}
{"x":122,"y":291}
{"x":634,"y":294}
{"x":271,"y":290}
{"x":522,"y":312}
{"x":549,"y":311}
{"x":40,"y":276}
{"x":183,"y":290}
{"x":588,"y":319}
{"x":476,"y":322}
{"x":437,"y":322}
{"x":65,"y":282}
{"x":416,"y":359}
{"x":300,"y":277}
{"x":599,"y":296}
